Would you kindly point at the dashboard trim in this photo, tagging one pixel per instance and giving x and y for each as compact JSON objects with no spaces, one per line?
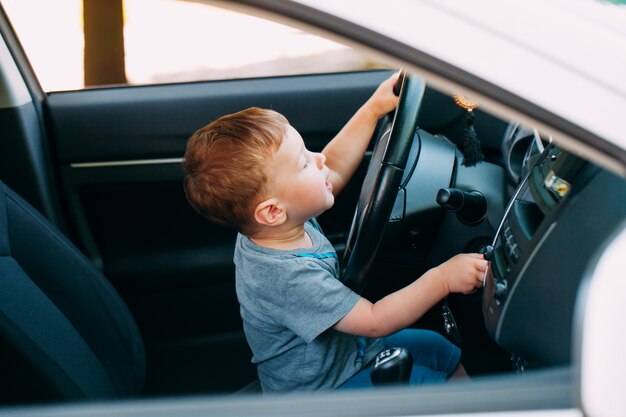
{"x":520,"y":276}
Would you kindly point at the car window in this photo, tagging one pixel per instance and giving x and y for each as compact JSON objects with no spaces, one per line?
{"x":73,"y":44}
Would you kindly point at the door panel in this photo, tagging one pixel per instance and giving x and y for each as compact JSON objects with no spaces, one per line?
{"x":131,"y":123}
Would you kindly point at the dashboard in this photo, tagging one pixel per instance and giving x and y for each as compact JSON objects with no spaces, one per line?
{"x":558,"y":217}
{"x":546,"y":214}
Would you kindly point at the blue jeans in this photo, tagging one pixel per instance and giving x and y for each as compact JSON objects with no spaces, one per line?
{"x":434,"y":358}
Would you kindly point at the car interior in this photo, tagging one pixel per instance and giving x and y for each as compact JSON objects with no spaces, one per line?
{"x":113,"y":287}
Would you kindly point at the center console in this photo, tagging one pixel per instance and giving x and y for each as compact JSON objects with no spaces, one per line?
{"x":551,"y":228}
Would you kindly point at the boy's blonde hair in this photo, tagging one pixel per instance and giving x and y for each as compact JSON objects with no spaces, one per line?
{"x":225,"y":164}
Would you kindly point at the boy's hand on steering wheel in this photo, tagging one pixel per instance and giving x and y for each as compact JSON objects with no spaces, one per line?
{"x":384,"y":100}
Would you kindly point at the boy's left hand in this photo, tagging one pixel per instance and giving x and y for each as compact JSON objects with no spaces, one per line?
{"x":384,"y":100}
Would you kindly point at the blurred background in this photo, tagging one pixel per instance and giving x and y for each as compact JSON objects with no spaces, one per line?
{"x":74,"y":44}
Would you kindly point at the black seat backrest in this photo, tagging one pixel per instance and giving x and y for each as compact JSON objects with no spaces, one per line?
{"x":64,"y":330}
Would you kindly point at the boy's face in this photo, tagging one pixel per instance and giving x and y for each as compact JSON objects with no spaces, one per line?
{"x":299,"y":179}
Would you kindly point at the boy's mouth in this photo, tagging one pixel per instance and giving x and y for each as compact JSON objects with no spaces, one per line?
{"x":329,"y":186}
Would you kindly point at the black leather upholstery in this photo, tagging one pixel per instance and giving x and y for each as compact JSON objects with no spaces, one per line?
{"x":64,"y":330}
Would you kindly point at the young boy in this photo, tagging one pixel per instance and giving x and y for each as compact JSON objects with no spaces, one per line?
{"x":250,"y":170}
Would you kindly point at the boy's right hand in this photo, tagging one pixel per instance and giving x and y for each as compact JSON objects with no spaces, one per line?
{"x":463,"y":273}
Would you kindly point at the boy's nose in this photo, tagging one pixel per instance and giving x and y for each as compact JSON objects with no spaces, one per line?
{"x":321,"y":159}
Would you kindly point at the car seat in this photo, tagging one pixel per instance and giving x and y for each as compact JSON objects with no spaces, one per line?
{"x":65,"y":333}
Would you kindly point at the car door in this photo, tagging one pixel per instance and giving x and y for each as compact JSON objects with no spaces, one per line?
{"x":109,"y":173}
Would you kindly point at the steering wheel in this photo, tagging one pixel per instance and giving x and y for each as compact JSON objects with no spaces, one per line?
{"x":382,"y":181}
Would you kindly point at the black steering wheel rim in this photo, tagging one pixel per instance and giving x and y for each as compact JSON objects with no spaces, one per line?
{"x":381,"y":184}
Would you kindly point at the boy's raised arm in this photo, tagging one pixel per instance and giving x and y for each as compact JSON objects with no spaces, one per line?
{"x":345,"y":152}
{"x":461,"y":274}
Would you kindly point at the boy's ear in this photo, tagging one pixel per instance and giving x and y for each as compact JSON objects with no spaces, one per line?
{"x":270,"y":213}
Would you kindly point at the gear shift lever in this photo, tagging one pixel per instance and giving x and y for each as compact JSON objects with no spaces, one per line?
{"x":392,"y":366}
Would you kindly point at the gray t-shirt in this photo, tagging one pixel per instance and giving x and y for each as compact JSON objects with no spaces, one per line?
{"x":289,"y":301}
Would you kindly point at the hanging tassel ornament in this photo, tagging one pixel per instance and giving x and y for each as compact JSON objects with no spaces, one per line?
{"x":472,"y":154}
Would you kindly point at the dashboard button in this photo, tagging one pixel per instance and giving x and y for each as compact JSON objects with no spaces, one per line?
{"x":501,"y":290}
